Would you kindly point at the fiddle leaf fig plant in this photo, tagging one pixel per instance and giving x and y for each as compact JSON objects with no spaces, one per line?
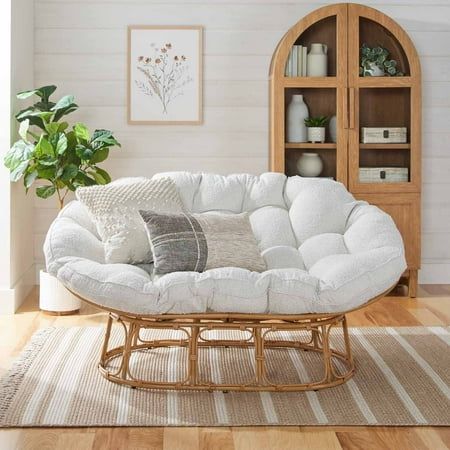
{"x":49,"y":149}
{"x":377,"y":57}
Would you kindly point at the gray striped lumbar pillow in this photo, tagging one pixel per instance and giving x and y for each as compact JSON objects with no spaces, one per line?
{"x":198,"y":242}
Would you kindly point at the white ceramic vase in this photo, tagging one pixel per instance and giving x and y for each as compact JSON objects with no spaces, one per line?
{"x":316,"y":134}
{"x":297,"y":112}
{"x":316,"y":65}
{"x":333,"y":129}
{"x":309,"y":165}
{"x":54,"y":298}
{"x":374,"y":71}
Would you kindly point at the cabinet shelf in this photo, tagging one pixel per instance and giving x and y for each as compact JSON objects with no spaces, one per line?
{"x":384,"y":82}
{"x":310,"y":82}
{"x":384,"y":146}
{"x":311,"y":146}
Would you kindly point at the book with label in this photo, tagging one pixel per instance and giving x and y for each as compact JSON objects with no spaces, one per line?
{"x":299,"y":59}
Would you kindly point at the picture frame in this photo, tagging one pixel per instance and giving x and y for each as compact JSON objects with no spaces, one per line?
{"x":165,"y":79}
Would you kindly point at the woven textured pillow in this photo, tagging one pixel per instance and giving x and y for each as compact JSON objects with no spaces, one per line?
{"x":198,"y":242}
{"x":114,"y":208}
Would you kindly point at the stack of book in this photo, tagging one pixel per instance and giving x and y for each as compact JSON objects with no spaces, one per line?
{"x":296,"y":64}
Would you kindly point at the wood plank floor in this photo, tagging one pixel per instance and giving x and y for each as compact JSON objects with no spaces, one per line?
{"x":431,"y":307}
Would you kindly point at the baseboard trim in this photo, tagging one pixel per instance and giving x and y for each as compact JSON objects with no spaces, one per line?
{"x":434,"y":273}
{"x":12,"y":298}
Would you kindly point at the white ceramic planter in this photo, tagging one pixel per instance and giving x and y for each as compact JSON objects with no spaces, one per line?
{"x":54,"y":298}
{"x":316,"y":134}
{"x":374,"y":71}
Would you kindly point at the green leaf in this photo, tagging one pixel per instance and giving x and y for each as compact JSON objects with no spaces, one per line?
{"x":18,"y":171}
{"x":83,"y":180}
{"x":64,"y":106}
{"x":30,"y":178}
{"x":103,"y":138}
{"x":61,"y":144}
{"x":30,"y":113}
{"x":81,"y":131}
{"x":83,"y":152}
{"x":52,"y":127}
{"x":97,"y":177}
{"x":43,"y":147}
{"x":64,"y":111}
{"x":44,"y":92}
{"x":46,"y":173}
{"x":45,"y":191}
{"x":104,"y":174}
{"x":69,"y":172}
{"x":19,"y":153}
{"x":64,"y":102}
{"x":99,"y":156}
{"x":23,"y":129}
{"x":24,"y":114}
{"x":48,"y":162}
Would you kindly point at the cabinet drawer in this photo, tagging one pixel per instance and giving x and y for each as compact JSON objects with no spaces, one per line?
{"x":405,"y":210}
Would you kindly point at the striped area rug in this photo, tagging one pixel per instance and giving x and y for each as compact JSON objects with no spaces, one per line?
{"x":402,"y":378}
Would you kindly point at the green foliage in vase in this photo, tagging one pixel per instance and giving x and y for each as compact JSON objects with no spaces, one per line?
{"x":379,"y":57}
{"x":48,"y":149}
{"x":319,"y":121}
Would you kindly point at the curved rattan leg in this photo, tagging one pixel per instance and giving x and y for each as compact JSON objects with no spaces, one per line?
{"x":326,"y":353}
{"x":348,"y":348}
{"x":106,"y":340}
{"x":193,"y":356}
{"x":129,"y":339}
{"x":259,"y":356}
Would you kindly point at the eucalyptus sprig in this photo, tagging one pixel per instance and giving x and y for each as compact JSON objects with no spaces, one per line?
{"x":378,"y":56}
{"x":48,"y":149}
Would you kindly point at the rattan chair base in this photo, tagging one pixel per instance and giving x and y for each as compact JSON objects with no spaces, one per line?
{"x":256,"y":336}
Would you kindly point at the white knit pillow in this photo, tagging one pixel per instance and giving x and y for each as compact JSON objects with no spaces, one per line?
{"x":114,"y":208}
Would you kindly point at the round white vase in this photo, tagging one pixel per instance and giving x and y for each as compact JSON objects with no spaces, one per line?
{"x":297,"y":112}
{"x":309,"y":165}
{"x":333,"y":129}
{"x":54,"y":298}
{"x":316,"y":134}
{"x":316,"y":65}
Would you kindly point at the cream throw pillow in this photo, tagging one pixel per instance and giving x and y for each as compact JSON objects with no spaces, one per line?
{"x":114,"y":208}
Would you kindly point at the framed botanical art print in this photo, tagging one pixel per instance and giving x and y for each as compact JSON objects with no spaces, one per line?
{"x":165,"y":74}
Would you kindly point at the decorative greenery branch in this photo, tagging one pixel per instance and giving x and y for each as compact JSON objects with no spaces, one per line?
{"x":65,"y":158}
{"x":379,"y":57}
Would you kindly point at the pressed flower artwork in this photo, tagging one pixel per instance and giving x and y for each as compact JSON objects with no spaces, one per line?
{"x":164,"y":74}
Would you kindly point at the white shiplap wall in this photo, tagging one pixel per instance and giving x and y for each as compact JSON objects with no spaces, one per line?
{"x":81,"y":46}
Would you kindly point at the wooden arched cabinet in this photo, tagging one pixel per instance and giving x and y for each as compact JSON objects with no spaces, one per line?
{"x":357,"y":101}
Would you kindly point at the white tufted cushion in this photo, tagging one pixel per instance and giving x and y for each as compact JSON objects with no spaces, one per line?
{"x":325,"y":251}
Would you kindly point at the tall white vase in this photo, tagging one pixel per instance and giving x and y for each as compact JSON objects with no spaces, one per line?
{"x":317,"y":61}
{"x":297,"y":112}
